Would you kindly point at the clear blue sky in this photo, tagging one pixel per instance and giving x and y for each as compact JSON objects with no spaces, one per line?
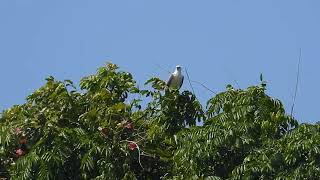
{"x":218,"y":41}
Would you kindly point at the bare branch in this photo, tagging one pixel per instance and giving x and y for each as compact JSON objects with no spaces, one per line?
{"x":189,"y":81}
{"x":297,"y":84}
{"x":204,"y":86}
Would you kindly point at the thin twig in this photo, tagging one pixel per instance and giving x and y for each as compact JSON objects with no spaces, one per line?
{"x":163,"y":69}
{"x":189,"y":81}
{"x":164,"y":176}
{"x":233,"y":78}
{"x":143,"y":153}
{"x":235,"y":81}
{"x":297,"y":84}
{"x":204,"y":86}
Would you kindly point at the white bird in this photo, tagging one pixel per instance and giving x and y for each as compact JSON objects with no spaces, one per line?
{"x":176,"y":79}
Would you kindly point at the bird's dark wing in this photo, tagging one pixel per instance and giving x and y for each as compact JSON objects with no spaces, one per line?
{"x":181,"y":81}
{"x":170,"y":80}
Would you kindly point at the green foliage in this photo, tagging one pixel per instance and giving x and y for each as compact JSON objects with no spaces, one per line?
{"x":295,"y":156}
{"x":237,"y":123}
{"x":101,"y":131}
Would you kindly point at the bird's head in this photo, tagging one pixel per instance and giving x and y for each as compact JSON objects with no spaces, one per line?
{"x":178,"y":68}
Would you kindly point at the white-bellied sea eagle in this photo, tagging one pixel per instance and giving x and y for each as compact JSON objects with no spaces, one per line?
{"x":176,"y":79}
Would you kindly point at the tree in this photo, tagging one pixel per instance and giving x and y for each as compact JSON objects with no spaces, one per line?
{"x":237,"y":123}
{"x":295,"y":156}
{"x":103,"y":131}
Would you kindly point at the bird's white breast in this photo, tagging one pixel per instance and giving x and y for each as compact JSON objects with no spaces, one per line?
{"x":176,"y":79}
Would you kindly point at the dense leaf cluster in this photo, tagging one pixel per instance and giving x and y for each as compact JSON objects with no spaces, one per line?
{"x":111,"y":129}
